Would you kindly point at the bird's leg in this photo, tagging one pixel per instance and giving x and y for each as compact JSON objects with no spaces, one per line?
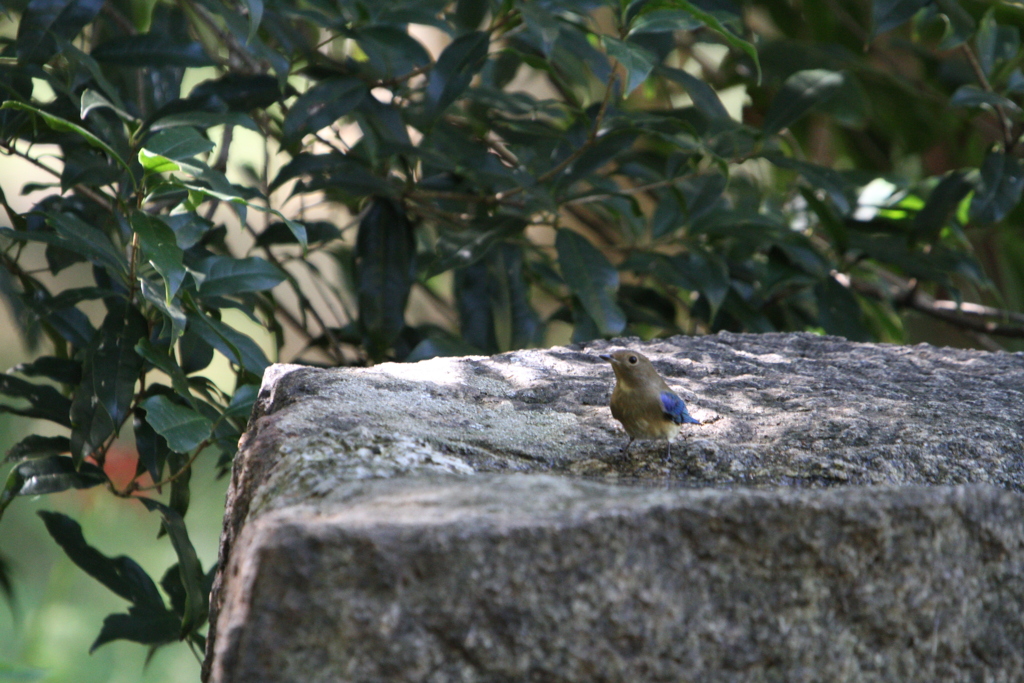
{"x":625,"y":451}
{"x":668,"y":451}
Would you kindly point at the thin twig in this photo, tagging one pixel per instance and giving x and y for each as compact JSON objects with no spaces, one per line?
{"x":576,"y":153}
{"x":99,"y":197}
{"x":637,"y":189}
{"x":1004,"y":120}
{"x":134,"y":487}
{"x":969,"y":317}
{"x":304,"y":303}
{"x":235,"y":51}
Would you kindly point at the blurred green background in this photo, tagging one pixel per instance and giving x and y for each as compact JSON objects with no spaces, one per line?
{"x":58,"y":608}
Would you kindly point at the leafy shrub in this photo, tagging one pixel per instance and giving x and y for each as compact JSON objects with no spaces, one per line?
{"x":522,"y":169}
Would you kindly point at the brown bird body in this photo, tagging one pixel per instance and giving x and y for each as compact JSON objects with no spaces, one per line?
{"x":643,"y":402}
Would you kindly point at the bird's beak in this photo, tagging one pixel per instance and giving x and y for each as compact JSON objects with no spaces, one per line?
{"x":605,"y":356}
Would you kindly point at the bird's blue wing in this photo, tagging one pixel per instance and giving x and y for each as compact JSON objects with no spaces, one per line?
{"x":675,"y":409}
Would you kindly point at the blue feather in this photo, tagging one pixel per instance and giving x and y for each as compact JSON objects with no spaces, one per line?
{"x":675,"y":409}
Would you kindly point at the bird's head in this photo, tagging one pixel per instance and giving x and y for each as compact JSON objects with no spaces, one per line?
{"x":632,"y":369}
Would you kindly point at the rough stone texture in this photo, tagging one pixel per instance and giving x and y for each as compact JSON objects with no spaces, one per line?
{"x":470,"y":519}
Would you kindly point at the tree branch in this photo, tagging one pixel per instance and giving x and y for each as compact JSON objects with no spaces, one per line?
{"x":965,"y":316}
{"x":576,"y":153}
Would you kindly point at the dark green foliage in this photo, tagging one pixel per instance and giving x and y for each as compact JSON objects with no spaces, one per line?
{"x":385,"y":267}
{"x":543,"y":171}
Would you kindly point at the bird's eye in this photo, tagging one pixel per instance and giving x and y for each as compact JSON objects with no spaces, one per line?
{"x":632,"y":360}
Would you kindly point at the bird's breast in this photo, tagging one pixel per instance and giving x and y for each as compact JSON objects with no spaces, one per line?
{"x":642,"y":416}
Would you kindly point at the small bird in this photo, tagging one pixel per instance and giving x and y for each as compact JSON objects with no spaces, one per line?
{"x":642,"y":401}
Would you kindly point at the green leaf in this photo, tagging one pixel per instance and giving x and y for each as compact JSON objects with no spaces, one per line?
{"x":998,"y":189}
{"x":996,"y":43}
{"x":255,"y":8}
{"x":204,"y":119}
{"x":171,"y":583}
{"x":75,"y":235}
{"x":663,"y":21}
{"x":473,"y":297}
{"x":322,"y":105}
{"x":51,"y":474}
{"x":64,"y":126}
{"x":942,"y":203}
{"x":114,"y":368}
{"x":45,"y":402}
{"x":328,"y":171}
{"x":985,"y":41}
{"x":172,"y":145}
{"x":516,"y":323}
{"x":316,"y":232}
{"x":160,"y":248}
{"x":148,"y":620}
{"x":36,"y":446}
{"x":188,"y":228}
{"x":153,"y":449}
{"x":888,"y":14}
{"x":228,"y":194}
{"x":959,"y":24}
{"x":647,"y":306}
{"x":196,"y":598}
{"x":78,"y":236}
{"x":604,"y":149}
{"x":224,"y":275}
{"x":801,"y":254}
{"x":151,"y":50}
{"x":179,"y":143}
{"x":705,"y":99}
{"x":455,"y":68}
{"x":464,"y":248}
{"x":242,"y":401}
{"x":820,"y":177}
{"x":163,"y":361}
{"x":799,"y":94}
{"x":715,"y":25}
{"x":45,"y":23}
{"x":91,"y":99}
{"x":838,"y":311}
{"x":81,"y":62}
{"x":469,"y":14}
{"x":973,"y":96}
{"x":592,"y":279}
{"x":236,"y":92}
{"x":194,"y":352}
{"x":174,"y":314}
{"x":391,"y":52}
{"x":698,"y":271}
{"x":385,"y":266}
{"x":182,"y":427}
{"x":181,"y":493}
{"x":146,"y":626}
{"x":637,"y":61}
{"x":154,"y":163}
{"x":493,"y":305}
{"x":111,"y":369}
{"x":702,"y":193}
{"x":937,"y":265}
{"x":236,"y":347}
{"x":121,"y":574}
